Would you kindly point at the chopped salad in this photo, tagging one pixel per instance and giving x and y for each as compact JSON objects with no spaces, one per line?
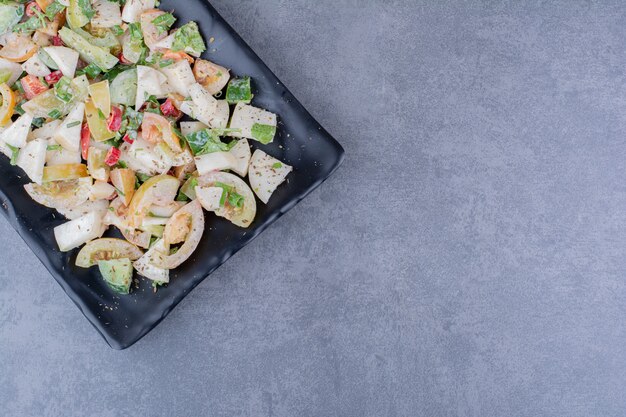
{"x":109,"y":109}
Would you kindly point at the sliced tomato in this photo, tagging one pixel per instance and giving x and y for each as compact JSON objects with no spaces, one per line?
{"x":53,"y":77}
{"x":169,"y":109}
{"x":177,"y":56}
{"x":157,"y":128}
{"x":123,"y":60}
{"x":85,"y":138}
{"x":112,"y":157}
{"x":57,"y":41}
{"x":32,"y":86}
{"x":114,"y":122}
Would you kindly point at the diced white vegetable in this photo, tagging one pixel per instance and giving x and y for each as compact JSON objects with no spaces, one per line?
{"x":134,"y":8}
{"x":68,"y":134}
{"x":245,"y":117}
{"x":65,"y":58}
{"x":220,"y":117}
{"x":17,"y":134}
{"x":266,"y":174}
{"x":101,"y":190}
{"x":145,"y":267}
{"x":182,"y":158}
{"x":35,"y":67}
{"x":100,"y":207}
{"x":13,"y":69}
{"x":74,"y":233}
{"x":241,"y":153}
{"x":209,"y":197}
{"x":179,"y":76}
{"x":58,"y":155}
{"x":202,"y":106}
{"x":150,"y":82}
{"x":144,"y":153}
{"x":32,"y":159}
{"x":167,"y":210}
{"x":215,"y":161}
{"x":154,"y":221}
{"x":108,"y":14}
{"x":165,"y":43}
{"x":191,"y":127}
{"x":46,"y":131}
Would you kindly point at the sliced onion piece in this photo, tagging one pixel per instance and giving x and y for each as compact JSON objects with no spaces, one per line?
{"x":146,"y":268}
{"x":99,"y":206}
{"x":193,"y":209}
{"x":106,"y":249}
{"x":61,"y":195}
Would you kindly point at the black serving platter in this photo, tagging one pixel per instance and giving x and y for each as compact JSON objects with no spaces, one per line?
{"x":300,"y":142}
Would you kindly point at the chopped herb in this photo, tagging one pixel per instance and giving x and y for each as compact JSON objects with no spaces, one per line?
{"x":277,"y":165}
{"x":63,"y":90}
{"x":182,"y":196}
{"x":164,"y":22}
{"x":143,"y":177}
{"x":239,"y":90}
{"x":188,"y":39}
{"x":117,"y":30}
{"x":165,"y":63}
{"x":70,"y":125}
{"x":91,"y":70}
{"x":121,"y":164}
{"x":101,"y":115}
{"x":54,"y":114}
{"x":263,"y":133}
{"x":134,"y":118}
{"x":15,"y":152}
{"x":38,"y":121}
{"x":206,"y":141}
{"x":54,"y":147}
{"x":86,"y":8}
{"x":53,"y":9}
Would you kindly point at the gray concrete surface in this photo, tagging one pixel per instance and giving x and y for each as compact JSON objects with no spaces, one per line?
{"x":468,"y":259}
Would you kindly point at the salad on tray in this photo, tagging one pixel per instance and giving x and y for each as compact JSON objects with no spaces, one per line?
{"x":109,"y":110}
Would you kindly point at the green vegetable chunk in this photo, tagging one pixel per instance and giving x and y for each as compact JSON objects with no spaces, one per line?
{"x":88,"y":52}
{"x":11,"y":13}
{"x":239,"y":91}
{"x":118,"y":274}
{"x":263,"y":133}
{"x":188,"y":39}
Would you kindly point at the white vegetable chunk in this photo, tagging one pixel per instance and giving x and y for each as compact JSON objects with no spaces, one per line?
{"x":144,"y":265}
{"x":252,"y":123}
{"x":202,"y":106}
{"x":17,"y":133}
{"x":241,"y":153}
{"x":65,"y":58}
{"x":187,"y":128}
{"x":100,"y":207}
{"x":220,"y":117}
{"x":14,"y":70}
{"x":165,"y":43}
{"x":58,"y":155}
{"x":134,"y":8}
{"x":179,"y":76}
{"x":68,"y":134}
{"x":32,"y":159}
{"x":74,"y":233}
{"x":150,"y":82}
{"x":266,"y":174}
{"x":108,"y":14}
{"x":35,"y":67}
{"x":215,"y":161}
{"x":46,"y":131}
{"x":101,"y":190}
{"x":209,"y":197}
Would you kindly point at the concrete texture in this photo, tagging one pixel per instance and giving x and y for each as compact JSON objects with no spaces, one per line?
{"x":468,"y":259}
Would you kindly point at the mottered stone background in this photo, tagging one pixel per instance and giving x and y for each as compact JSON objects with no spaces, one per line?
{"x":468,"y":259}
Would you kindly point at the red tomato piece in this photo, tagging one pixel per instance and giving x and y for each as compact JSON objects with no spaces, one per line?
{"x":112,"y":157}
{"x":114,"y":123}
{"x":85,"y":137}
{"x":123,"y":60}
{"x":57,"y":41}
{"x":53,"y":77}
{"x":128,"y":139}
{"x":169,"y":110}
{"x":32,"y":86}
